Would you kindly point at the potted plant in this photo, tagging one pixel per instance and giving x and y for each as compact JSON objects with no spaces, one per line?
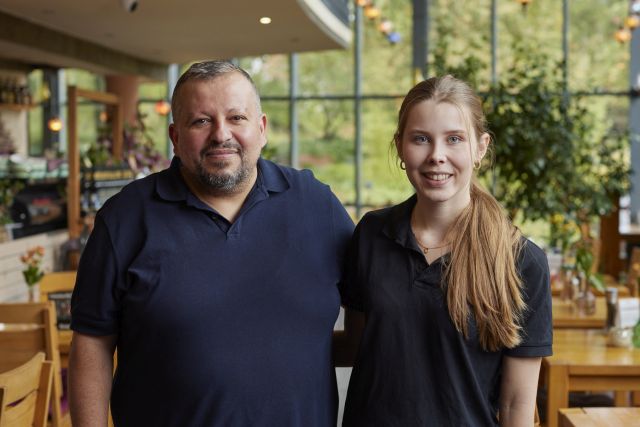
{"x":32,"y":272}
{"x":8,"y":190}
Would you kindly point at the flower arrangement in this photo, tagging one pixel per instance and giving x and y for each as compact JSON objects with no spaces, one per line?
{"x":32,"y":261}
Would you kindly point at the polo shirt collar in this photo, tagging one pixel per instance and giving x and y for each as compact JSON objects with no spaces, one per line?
{"x":170,"y":185}
{"x":397,"y":226}
{"x":271,"y":177}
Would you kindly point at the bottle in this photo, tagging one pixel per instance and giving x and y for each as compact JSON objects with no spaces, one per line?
{"x":612,"y":306}
{"x":636,"y":335}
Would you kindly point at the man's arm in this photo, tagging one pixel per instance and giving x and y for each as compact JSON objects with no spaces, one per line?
{"x":347,"y":341}
{"x":90,"y":376}
{"x":518,"y":390}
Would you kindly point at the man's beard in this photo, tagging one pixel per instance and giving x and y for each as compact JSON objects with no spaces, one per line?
{"x":225,"y":182}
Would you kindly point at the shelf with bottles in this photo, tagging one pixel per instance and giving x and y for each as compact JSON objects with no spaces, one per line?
{"x":15,"y":96}
{"x":17,"y":107}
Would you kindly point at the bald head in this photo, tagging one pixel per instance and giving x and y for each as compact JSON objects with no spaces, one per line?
{"x":208,"y":70}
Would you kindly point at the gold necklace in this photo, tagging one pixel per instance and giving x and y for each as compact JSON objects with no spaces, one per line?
{"x":425,"y":249}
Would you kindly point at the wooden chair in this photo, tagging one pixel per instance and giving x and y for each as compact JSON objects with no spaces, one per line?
{"x":57,"y":287}
{"x":61,"y":281}
{"x":25,"y":393}
{"x":31,"y":328}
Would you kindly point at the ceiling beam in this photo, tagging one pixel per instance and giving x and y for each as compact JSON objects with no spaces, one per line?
{"x":70,"y":50}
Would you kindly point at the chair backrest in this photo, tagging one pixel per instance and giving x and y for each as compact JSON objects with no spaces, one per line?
{"x":29,"y":328}
{"x":60,"y":281}
{"x":57,"y":287}
{"x":25,"y":392}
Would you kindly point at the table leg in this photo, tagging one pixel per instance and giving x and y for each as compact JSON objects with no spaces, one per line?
{"x":557,"y":392}
{"x":621,"y":398}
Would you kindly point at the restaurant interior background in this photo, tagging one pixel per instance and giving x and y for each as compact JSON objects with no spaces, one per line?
{"x":560,"y":80}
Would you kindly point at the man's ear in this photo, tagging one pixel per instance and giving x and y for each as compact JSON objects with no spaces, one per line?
{"x":263,"y":129}
{"x":173,"y":135}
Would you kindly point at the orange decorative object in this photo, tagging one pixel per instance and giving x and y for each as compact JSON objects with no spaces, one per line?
{"x":163,"y":107}
{"x":632,"y":22}
{"x":371,"y":12}
{"x":623,"y":35}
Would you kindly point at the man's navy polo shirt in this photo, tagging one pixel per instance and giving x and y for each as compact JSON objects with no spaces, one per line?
{"x":218,"y":324}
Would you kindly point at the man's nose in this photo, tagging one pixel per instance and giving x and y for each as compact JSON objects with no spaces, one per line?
{"x":220,"y":132}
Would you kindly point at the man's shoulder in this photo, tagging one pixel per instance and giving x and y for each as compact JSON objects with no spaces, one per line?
{"x":134,"y":195}
{"x":295,"y":178}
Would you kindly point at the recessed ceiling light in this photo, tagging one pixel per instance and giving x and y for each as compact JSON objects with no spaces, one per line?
{"x":265,"y":20}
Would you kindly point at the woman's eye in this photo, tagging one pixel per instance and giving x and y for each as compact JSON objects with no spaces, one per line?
{"x":421,"y":138}
{"x":455,"y":139}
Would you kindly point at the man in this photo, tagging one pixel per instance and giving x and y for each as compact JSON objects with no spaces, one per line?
{"x":214,"y":279}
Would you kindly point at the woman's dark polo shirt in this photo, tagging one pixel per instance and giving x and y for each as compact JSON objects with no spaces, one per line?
{"x":218,"y":324}
{"x":413,"y":368}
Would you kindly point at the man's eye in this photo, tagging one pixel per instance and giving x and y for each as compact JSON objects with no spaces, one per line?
{"x":237,"y":118}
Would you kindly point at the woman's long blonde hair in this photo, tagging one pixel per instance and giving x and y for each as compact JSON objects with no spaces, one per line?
{"x":481,"y":278}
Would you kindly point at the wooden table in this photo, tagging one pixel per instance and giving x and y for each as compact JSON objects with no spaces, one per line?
{"x":623,"y":290}
{"x":566,"y":315}
{"x":582,"y":361}
{"x":599,"y":417}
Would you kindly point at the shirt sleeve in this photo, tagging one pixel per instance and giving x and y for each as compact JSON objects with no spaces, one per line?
{"x":95,"y":303}
{"x":351,"y":291}
{"x":342,"y":230}
{"x":537,"y":327}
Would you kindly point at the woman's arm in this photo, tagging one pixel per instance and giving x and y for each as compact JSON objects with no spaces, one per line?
{"x":518,"y":390}
{"x":347,"y":341}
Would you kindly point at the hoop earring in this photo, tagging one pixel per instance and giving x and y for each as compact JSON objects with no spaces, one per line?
{"x":402,"y":165}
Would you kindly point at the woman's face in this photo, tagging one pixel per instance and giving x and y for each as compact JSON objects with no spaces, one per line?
{"x":439,"y":150}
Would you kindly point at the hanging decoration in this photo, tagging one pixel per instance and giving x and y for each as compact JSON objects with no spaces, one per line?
{"x":162,"y":107}
{"x":383,"y":24}
{"x":624,"y":33}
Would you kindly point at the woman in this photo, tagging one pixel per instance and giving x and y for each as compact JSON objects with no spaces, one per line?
{"x":457,"y":303}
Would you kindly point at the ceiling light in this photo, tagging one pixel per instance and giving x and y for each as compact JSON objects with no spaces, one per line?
{"x":265,"y":20}
{"x":54,"y":124}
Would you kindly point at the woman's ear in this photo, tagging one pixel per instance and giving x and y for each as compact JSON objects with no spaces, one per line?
{"x":483,"y":145}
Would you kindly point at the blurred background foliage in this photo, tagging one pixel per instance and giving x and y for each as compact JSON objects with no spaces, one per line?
{"x":539,"y":134}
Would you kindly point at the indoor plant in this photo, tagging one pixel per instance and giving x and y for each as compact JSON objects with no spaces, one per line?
{"x":33,"y":272}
